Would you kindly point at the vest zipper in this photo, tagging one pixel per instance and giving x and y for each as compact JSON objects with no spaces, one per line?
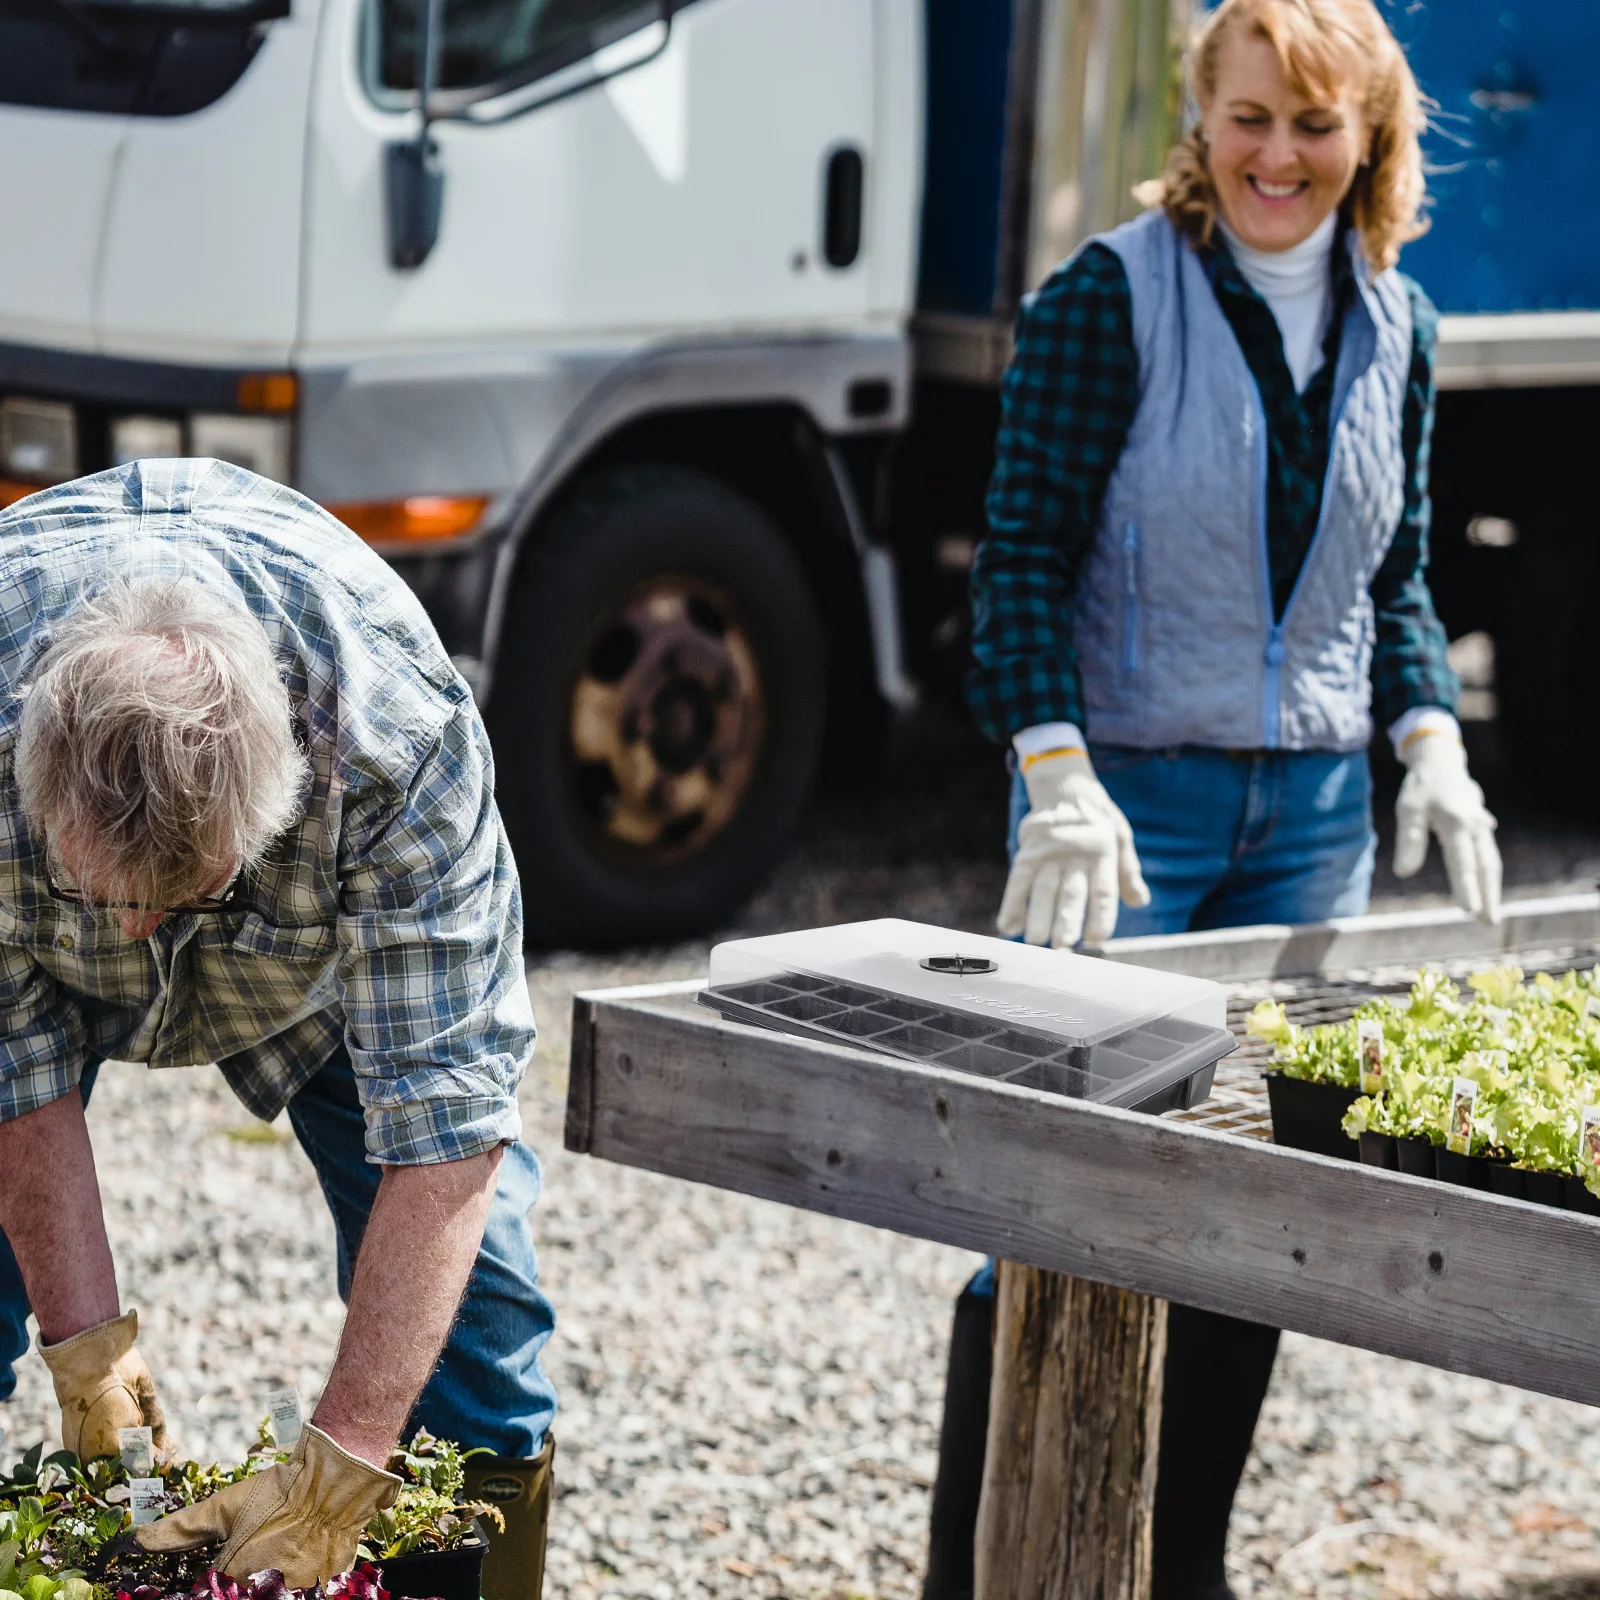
{"x":1271,"y":684}
{"x":1130,"y":598}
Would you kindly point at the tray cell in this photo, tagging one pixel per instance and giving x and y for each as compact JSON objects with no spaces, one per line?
{"x":905,"y":1010}
{"x":848,"y":995}
{"x":804,"y":1008}
{"x":860,"y":1024}
{"x":984,"y":1060}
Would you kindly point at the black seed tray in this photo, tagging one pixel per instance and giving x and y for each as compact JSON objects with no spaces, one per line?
{"x":1163,"y":1065}
{"x":1424,"y":1160}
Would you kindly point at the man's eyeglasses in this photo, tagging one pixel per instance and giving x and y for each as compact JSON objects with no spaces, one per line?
{"x":63,"y":888}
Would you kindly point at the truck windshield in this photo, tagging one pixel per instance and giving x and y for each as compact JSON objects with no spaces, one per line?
{"x":490,"y":46}
{"x":156,"y":58}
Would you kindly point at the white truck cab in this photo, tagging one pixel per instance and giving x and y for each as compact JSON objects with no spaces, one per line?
{"x":672,"y":237}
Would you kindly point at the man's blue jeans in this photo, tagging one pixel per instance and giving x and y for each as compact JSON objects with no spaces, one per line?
{"x":490,"y":1387}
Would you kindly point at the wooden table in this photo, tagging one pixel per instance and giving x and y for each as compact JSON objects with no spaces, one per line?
{"x":1195,"y":1207}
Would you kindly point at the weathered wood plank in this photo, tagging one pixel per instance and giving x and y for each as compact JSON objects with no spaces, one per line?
{"x":1465,"y":1281}
{"x":1069,"y":1478}
{"x":1270,"y":950}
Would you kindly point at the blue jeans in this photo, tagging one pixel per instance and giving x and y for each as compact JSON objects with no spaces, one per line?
{"x":490,"y":1386}
{"x":1226,"y":840}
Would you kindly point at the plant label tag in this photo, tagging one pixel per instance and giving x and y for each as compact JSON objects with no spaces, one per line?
{"x":146,"y":1497}
{"x":1499,"y":1020}
{"x":283,"y":1406}
{"x":1591,"y":1007}
{"x":1369,"y":1048}
{"x":137,"y":1449}
{"x":1463,"y":1100}
{"x":1589,"y":1137}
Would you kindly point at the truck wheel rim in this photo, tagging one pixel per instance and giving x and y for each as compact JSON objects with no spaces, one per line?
{"x":666,"y":720}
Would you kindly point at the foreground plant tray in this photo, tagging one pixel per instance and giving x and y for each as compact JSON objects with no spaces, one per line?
{"x":1310,"y":1116}
{"x":1456,"y":1277}
{"x":1558,"y":1191}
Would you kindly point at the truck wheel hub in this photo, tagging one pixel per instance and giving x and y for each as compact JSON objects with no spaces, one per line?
{"x":666,"y":719}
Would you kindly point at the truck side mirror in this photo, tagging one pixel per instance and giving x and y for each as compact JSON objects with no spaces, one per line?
{"x":414,"y":189}
{"x":413,"y":177}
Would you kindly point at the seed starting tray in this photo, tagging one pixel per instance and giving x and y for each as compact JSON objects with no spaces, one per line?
{"x":1163,"y":1065}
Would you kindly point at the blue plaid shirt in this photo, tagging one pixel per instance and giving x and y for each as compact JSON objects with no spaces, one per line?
{"x":389,"y":917}
{"x":1067,"y":402}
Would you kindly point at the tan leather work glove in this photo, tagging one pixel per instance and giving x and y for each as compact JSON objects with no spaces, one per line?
{"x":102,"y":1384}
{"x":303,"y":1516}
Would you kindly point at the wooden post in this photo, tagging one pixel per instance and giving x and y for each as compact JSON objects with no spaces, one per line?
{"x":1069,"y":1478}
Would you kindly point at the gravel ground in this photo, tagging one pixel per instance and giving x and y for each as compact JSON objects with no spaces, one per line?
{"x":751,"y":1395}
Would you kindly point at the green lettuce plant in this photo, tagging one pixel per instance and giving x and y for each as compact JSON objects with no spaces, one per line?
{"x":1532,"y":1048}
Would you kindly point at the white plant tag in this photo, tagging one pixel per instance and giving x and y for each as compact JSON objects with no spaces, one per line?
{"x":145,"y":1496}
{"x":1369,"y":1047}
{"x":1463,"y":1101}
{"x":1591,"y":1007}
{"x":138,"y":1451}
{"x":1498,"y":1019}
{"x":283,"y":1406}
{"x":1589,"y":1135}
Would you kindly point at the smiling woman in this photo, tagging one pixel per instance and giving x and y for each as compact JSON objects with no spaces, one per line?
{"x":1186,"y":643}
{"x":1303,"y":106}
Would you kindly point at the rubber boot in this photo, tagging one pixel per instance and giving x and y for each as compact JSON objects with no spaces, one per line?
{"x":519,"y":1488}
{"x":962,"y":1435}
{"x":1217,"y":1373}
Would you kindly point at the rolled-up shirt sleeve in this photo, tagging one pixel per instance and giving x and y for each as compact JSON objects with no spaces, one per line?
{"x":41,"y":1036}
{"x":437,"y":1017}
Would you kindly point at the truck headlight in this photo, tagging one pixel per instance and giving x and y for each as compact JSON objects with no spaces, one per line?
{"x":259,"y":444}
{"x":144,"y":439}
{"x":38,"y":440}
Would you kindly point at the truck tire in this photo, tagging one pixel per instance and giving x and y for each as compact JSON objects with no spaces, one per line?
{"x":1547,"y":661}
{"x":657,"y":707}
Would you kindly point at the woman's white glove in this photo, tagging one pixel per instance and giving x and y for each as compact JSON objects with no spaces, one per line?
{"x":1074,"y":857}
{"x":1439,"y":794}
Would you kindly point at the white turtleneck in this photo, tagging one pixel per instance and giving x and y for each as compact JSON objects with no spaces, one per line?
{"x":1297,"y":284}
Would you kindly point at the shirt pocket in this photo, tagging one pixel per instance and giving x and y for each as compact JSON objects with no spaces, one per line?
{"x":312,"y":942}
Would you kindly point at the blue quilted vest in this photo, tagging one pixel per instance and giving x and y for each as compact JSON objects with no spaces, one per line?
{"x":1174,"y":618}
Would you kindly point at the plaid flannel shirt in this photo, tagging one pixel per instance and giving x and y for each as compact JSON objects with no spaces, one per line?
{"x":1067,"y":402}
{"x":388,"y":917}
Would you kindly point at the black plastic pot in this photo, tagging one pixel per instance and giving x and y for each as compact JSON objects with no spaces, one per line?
{"x":1578,"y":1198}
{"x":1306,"y":1115}
{"x":1470,"y":1172}
{"x":1378,"y":1150}
{"x":1507,"y":1180}
{"x":437,"y":1574}
{"x":1544,"y":1189}
{"x":1416,"y":1157}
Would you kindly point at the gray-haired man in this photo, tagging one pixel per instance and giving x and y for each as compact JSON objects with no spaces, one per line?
{"x":247,"y":816}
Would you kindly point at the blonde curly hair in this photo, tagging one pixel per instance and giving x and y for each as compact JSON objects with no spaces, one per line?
{"x":1323,"y":45}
